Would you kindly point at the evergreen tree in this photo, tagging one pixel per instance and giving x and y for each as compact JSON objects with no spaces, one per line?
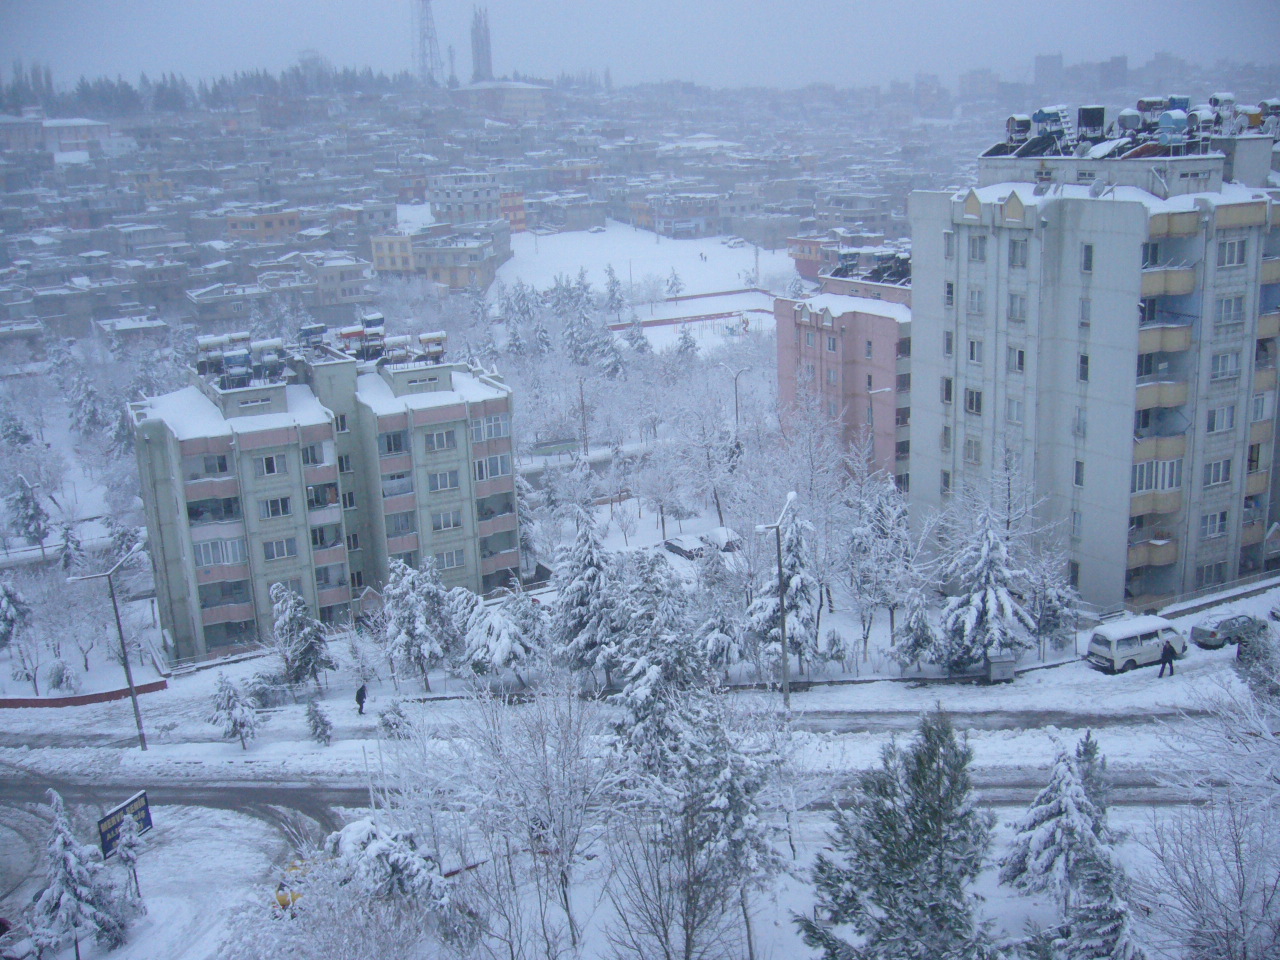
{"x":800,"y":597}
{"x":583,"y":613}
{"x":299,"y":637}
{"x":1098,"y":927}
{"x":496,"y":637}
{"x":78,"y":898}
{"x":581,"y":338}
{"x":15,"y":612}
{"x":319,"y":726}
{"x":915,"y":640}
{"x":234,"y":712}
{"x":542,"y":342}
{"x":675,"y":286}
{"x":419,"y":627}
{"x":1059,"y":832}
{"x":13,"y":432}
{"x":88,"y":414}
{"x":613,"y":299}
{"x":907,"y":853}
{"x":1092,"y":767}
{"x":686,"y":346}
{"x":609,"y":358}
{"x":387,"y":864}
{"x":72,"y":550}
{"x":28,"y":517}
{"x":128,"y":849}
{"x":636,"y":338}
{"x":393,"y":722}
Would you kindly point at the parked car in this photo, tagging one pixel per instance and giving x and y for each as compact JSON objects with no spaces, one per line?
{"x":1122,"y":645}
{"x":1214,"y":633}
{"x":686,"y":545}
{"x":722,"y":539}
{"x":596,"y":229}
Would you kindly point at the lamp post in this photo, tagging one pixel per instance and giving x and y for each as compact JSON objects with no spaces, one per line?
{"x":782,"y":596}
{"x":735,"y":392}
{"x":124,"y":650}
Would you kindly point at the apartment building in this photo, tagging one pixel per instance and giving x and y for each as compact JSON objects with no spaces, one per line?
{"x":316,"y":465}
{"x":462,"y":258}
{"x":465,"y":197}
{"x":1103,"y":309}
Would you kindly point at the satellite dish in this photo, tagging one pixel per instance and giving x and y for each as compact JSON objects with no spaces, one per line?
{"x":1097,"y":188}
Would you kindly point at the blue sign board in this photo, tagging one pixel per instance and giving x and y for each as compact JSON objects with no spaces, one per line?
{"x":109,"y":826}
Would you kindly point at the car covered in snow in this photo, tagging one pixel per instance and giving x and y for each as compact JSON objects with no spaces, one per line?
{"x":686,"y":545}
{"x":1214,"y":633}
{"x":1122,"y":645}
{"x":722,"y":539}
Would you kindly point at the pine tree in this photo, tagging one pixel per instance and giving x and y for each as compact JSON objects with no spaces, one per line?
{"x":393,"y":722}
{"x":386,"y":863}
{"x":1098,"y":927}
{"x":609,"y":358}
{"x":686,"y":346}
{"x":583,"y":613}
{"x":319,"y":726}
{"x":13,"y":432}
{"x":72,"y":550}
{"x":497,"y":639}
{"x":419,"y":629}
{"x":800,"y":596}
{"x":613,"y":299}
{"x":542,"y":342}
{"x":234,"y":712}
{"x":87,"y":407}
{"x":26,"y":514}
{"x":915,"y":640}
{"x":1059,"y":832}
{"x":635,"y":337}
{"x":581,"y":338}
{"x":78,"y":898}
{"x":128,"y":848}
{"x":299,"y":637}
{"x":1092,"y":767}
{"x":675,"y":286}
{"x":15,"y":612}
{"x":907,"y":853}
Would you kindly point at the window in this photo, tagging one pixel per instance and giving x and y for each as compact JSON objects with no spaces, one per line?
{"x":1147,"y":311}
{"x":449,"y":560}
{"x":312,"y":455}
{"x":1016,"y":360}
{"x":397,"y":484}
{"x":1221,"y":418}
{"x":409,"y":558}
{"x":215,"y":464}
{"x":808,"y":371}
{"x":448,"y":480}
{"x":948,"y":343}
{"x":341,"y":423}
{"x":1229,"y":310}
{"x":280,"y":549}
{"x":349,"y":500}
{"x":1082,"y":368}
{"x":1150,"y":254}
{"x":393,"y":443}
{"x":1213,"y":525}
{"x":869,"y":380}
{"x":1224,"y":366}
{"x":1086,"y":258}
{"x":902,"y":449}
{"x":809,"y":338}
{"x":831,"y":344}
{"x":1253,"y":462}
{"x":1231,"y":253}
{"x":1077,"y":524}
{"x":1156,"y":475}
{"x":902,"y":417}
{"x":977,"y":300}
{"x":442,"y":440}
{"x":904,"y":346}
{"x":1077,"y":477}
{"x":353,"y":541}
{"x":948,"y":386}
{"x":256,"y":401}
{"x":977,"y":249}
{"x":945,"y":442}
{"x":322,"y":495}
{"x":275,"y":507}
{"x":270,"y":466}
{"x":946,"y":482}
{"x":446,"y":520}
{"x":1086,"y":311}
{"x":212,"y":553}
{"x":1259,"y":409}
{"x":831,"y":378}
{"x":401,"y":524}
{"x":1017,"y":307}
{"x":1013,"y":410}
{"x":972,"y":450}
{"x":1073,"y":574}
{"x":498,"y":465}
{"x":1211,"y":574}
{"x":948,"y":244}
{"x":1080,"y":427}
{"x":975,"y":351}
{"x":357,"y":578}
{"x":1146,"y":365}
{"x":344,"y":463}
{"x":973,"y":401}
{"x":489,"y":428}
{"x":1219,"y":471}
{"x":948,"y":294}
{"x":902,"y":382}
{"x":833,"y":412}
{"x":869,"y":349}
{"x":1017,"y":252}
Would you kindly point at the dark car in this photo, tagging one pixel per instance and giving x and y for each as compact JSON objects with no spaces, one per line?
{"x":687,"y":546}
{"x":1216,"y":632}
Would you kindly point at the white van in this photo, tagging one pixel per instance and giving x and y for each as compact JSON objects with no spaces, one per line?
{"x":1133,"y":642}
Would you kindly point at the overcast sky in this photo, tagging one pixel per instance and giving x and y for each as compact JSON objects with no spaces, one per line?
{"x":718,"y":42}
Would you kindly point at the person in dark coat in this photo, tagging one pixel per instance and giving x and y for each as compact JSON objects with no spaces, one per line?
{"x":1167,"y":656}
{"x":360,"y":698}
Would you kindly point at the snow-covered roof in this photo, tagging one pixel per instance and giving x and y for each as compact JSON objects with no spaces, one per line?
{"x":1131,"y":625}
{"x":1184,"y":203}
{"x":466,"y":388}
{"x":190,"y":414}
{"x":840,"y":303}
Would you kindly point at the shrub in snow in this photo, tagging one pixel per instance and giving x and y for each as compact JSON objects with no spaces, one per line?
{"x":911,"y":819}
{"x":1258,"y":664}
{"x":1099,"y":926}
{"x":319,"y":726}
{"x":393,"y":722}
{"x":234,"y":712}
{"x":1092,"y":767}
{"x":269,"y":690}
{"x":60,"y":675}
{"x":387,"y":863}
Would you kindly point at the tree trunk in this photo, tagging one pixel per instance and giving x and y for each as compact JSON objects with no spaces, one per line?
{"x":746,"y":919}
{"x":893,"y":609}
{"x":568,"y":910}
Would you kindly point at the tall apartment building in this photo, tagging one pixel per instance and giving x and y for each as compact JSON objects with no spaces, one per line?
{"x":465,"y":197}
{"x":317,"y":465}
{"x":1104,"y":308}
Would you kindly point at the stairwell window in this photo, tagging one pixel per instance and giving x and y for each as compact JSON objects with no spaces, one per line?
{"x":975,"y":351}
{"x":1086,"y":311}
{"x":977,"y":301}
{"x":973,"y":401}
{"x":1082,"y":368}
{"x":1017,"y":307}
{"x":947,"y":391}
{"x":972,"y":450}
{"x":1231,"y":253}
{"x":1013,"y":410}
{"x":1017,"y":252}
{"x":1224,"y":366}
{"x":1213,"y":525}
{"x":948,"y":343}
{"x":948,"y":243}
{"x":1016,"y":361}
{"x":1221,"y":418}
{"x":1086,"y":258}
{"x":1078,"y":474}
{"x":1218,"y":472}
{"x":1229,"y":310}
{"x":270,"y":466}
{"x":948,"y":294}
{"x":978,"y":249}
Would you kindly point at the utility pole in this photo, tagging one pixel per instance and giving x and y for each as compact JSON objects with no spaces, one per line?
{"x":124,"y":649}
{"x":782,"y":597}
{"x":582,"y":409}
{"x":735,"y":393}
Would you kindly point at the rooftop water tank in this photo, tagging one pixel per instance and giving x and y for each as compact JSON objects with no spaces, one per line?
{"x":1173,"y":121}
{"x":1129,"y":119}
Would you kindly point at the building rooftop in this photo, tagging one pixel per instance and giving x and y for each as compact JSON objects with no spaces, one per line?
{"x":840,"y":303}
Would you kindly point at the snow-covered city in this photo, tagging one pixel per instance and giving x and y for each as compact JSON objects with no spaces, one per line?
{"x":569,"y":483}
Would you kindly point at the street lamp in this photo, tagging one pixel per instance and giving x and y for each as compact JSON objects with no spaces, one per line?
{"x":782,"y":597}
{"x":735,"y":392}
{"x":124,"y":650}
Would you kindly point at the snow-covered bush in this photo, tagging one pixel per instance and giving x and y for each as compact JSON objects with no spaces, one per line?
{"x":319,"y":726}
{"x":392,"y":721}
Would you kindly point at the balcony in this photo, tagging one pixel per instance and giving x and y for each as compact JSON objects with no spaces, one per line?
{"x":320,"y":473}
{"x":399,"y":503}
{"x":1252,"y":533}
{"x":325,"y":515}
{"x":206,"y":488}
{"x":1256,"y":483}
{"x":336,"y":553}
{"x":1155,"y":501}
{"x":402,"y":544}
{"x":328,"y":596}
{"x":1183,"y":224}
{"x":1270,"y":272}
{"x":497,"y":524}
{"x":1264,"y":378}
{"x":1153,"y":553}
{"x":223,"y":571}
{"x":1269,"y":325}
{"x":227,"y":613}
{"x":1164,"y":338}
{"x":1161,"y":393}
{"x":1168,"y":281}
{"x":500,"y":561}
{"x":1159,"y":448}
{"x":1261,"y":431}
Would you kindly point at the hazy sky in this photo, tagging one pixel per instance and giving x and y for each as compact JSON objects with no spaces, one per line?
{"x":718,"y":42}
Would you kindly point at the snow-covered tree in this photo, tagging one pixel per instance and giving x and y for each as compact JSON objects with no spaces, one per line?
{"x":496,"y":638}
{"x":1051,"y":601}
{"x":319,"y":726}
{"x":88,"y":411}
{"x":609,"y":358}
{"x":234,"y":712}
{"x":298,"y":636}
{"x":28,"y":516}
{"x":613,"y":299}
{"x":675,"y":286}
{"x":906,"y":854}
{"x":800,"y":598}
{"x":387,"y":863}
{"x":1060,"y":831}
{"x":417,"y":622}
{"x":393,"y":722}
{"x":686,"y":346}
{"x":15,"y":612}
{"x":985,"y":616}
{"x":13,"y":432}
{"x":78,"y":898}
{"x":915,"y":639}
{"x":636,"y":338}
{"x":72,"y":558}
{"x":1092,"y":767}
{"x":582,"y":620}
{"x":128,"y":849}
{"x":1099,"y":926}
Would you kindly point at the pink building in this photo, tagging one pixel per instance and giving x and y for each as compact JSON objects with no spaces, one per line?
{"x":854,"y":353}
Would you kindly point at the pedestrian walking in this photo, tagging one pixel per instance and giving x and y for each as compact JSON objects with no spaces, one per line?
{"x":1167,"y":656}
{"x":360,"y":698}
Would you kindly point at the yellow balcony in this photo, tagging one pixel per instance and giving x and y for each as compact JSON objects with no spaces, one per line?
{"x":1155,"y":501}
{"x":1256,"y":483}
{"x":1270,"y":270}
{"x":1261,"y":431}
{"x":1184,"y":224}
{"x":1269,"y":325}
{"x":1264,"y":379}
{"x":1161,"y":393}
{"x":1153,"y":553}
{"x":1168,"y":281}
{"x":1252,"y":533}
{"x":1165,"y":339}
{"x":1159,"y":448}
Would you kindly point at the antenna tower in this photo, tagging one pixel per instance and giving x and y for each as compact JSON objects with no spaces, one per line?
{"x":426,"y":49}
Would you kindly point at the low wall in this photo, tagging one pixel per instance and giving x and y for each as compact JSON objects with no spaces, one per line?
{"x":83,"y":699}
